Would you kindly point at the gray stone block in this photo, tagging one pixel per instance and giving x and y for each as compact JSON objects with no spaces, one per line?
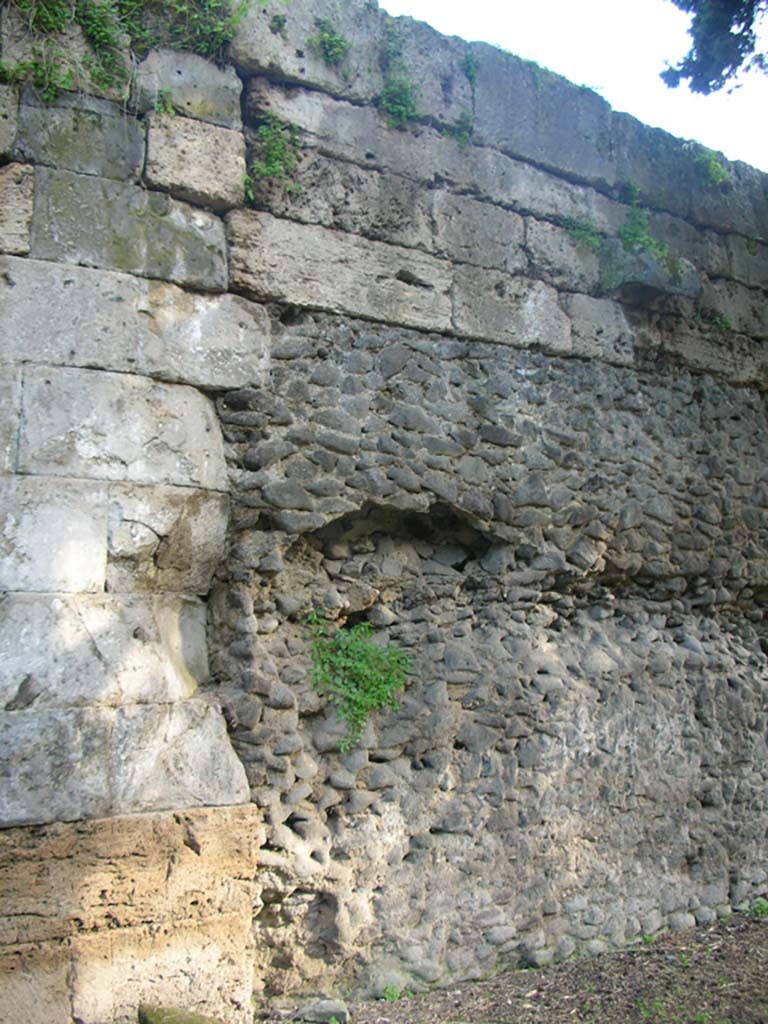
{"x":65,"y":651}
{"x":52,"y":538}
{"x":481,"y":234}
{"x":599,"y":330}
{"x":201,"y":163}
{"x":9,"y":105}
{"x":79,"y":317}
{"x":80,"y":133}
{"x":510,"y":310}
{"x":107,"y":426}
{"x":17,"y":190}
{"x":10,"y":410}
{"x":312,"y":266}
{"x":164,"y":538}
{"x":100,"y":223}
{"x":194,"y":86}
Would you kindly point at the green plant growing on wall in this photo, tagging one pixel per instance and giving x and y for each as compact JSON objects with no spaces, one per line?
{"x":112,"y":28}
{"x":584,"y":234}
{"x":462,"y":130}
{"x":709,"y":171}
{"x":712,"y":318}
{"x":354,"y":674}
{"x":469,"y":65}
{"x":635,"y":236}
{"x":398,"y":97}
{"x":332,"y":46}
{"x":275,"y":155}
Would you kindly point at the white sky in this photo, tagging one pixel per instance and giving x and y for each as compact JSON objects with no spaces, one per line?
{"x":618,"y":48}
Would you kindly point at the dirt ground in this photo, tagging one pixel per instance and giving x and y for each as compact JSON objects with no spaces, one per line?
{"x":715,"y":975}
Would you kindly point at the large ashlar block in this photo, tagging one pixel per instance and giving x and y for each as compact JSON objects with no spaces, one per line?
{"x":192,"y":85}
{"x":65,"y":764}
{"x":316,"y":267}
{"x":80,"y":133}
{"x":510,"y":310}
{"x":164,"y":538}
{"x":17,"y":193}
{"x":467,"y":231}
{"x":53,"y":537}
{"x":531,"y":113}
{"x":600,"y":330}
{"x":10,"y":411}
{"x":101,"y":915}
{"x":96,"y":222}
{"x":67,"y":651}
{"x":9,"y":106}
{"x":745,"y":309}
{"x":79,"y":317}
{"x":260,"y":45}
{"x":199,"y":162}
{"x":559,"y":258}
{"x":106,"y":426}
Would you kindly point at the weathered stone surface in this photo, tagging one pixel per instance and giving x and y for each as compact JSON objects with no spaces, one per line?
{"x":65,"y":764}
{"x":169,"y":920}
{"x":559,"y":258}
{"x":194,"y":86}
{"x":105,"y":426}
{"x":82,"y":134}
{"x":466,"y":231}
{"x":313,"y":266}
{"x":529,"y":112}
{"x":711,"y":350}
{"x":101,"y":223}
{"x":513,"y":311}
{"x":264,"y":43}
{"x":9,"y":105}
{"x":744,"y":310}
{"x":171,"y":1015}
{"x":17,"y":191}
{"x":164,"y":538}
{"x":80,"y":317}
{"x":200,"y":163}
{"x":643,"y":277}
{"x":53,"y":538}
{"x":78,"y":651}
{"x":599,"y":330}
{"x":10,"y":411}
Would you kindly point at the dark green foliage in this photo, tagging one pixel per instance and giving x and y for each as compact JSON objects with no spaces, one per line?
{"x":635,"y":236}
{"x":398,"y":103}
{"x":469,"y":66}
{"x":584,"y":234}
{"x":462,"y":130}
{"x":330,"y":44}
{"x":709,"y":171}
{"x":354,"y":674}
{"x":276,"y":153}
{"x":723,"y":41}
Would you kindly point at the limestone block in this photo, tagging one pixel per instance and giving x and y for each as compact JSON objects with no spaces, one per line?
{"x":65,"y":764}
{"x":744,"y":309}
{"x":61,"y":651}
{"x":363,"y":201}
{"x":735,"y":357}
{"x":559,"y":258}
{"x":82,"y":134}
{"x":511,"y":310}
{"x":52,"y":538}
{"x":529,"y":112}
{"x":312,"y":266}
{"x":194,"y":86}
{"x":9,"y":105}
{"x":75,"y":316}
{"x":17,"y":190}
{"x":100,"y":223}
{"x":642,"y":277}
{"x":201,"y":163}
{"x":34,"y":985}
{"x":484,"y":235}
{"x":164,"y":538}
{"x":107,"y":426}
{"x":10,"y":410}
{"x":599,"y":330}
{"x":285,"y":47}
{"x":166,"y":756}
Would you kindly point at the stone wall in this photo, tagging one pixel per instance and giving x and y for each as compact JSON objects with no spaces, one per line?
{"x":417,"y":381}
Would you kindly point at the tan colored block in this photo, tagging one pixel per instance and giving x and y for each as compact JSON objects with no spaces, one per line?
{"x":17,"y":192}
{"x":199,"y":162}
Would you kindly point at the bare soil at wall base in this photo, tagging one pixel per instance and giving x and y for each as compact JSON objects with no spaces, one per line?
{"x":717,"y":975}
